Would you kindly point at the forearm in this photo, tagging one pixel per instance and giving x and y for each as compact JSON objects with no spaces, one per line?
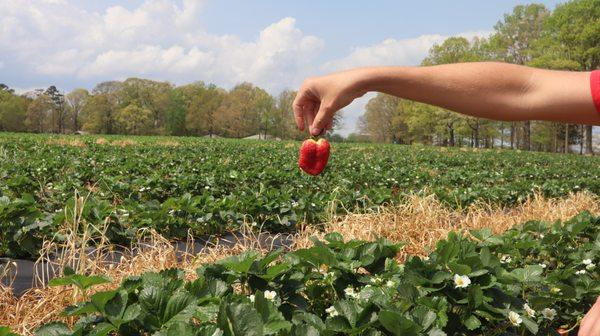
{"x":490,"y":90}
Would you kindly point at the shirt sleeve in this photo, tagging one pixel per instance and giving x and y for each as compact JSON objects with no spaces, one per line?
{"x":595,"y":85}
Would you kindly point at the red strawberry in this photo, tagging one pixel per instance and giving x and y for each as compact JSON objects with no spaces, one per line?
{"x":313,"y":156}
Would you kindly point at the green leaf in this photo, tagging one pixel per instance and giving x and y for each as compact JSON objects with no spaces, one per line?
{"x":530,"y":325}
{"x":316,"y":256}
{"x":102,"y":329}
{"x":349,"y":310}
{"x":398,"y":324}
{"x":472,"y":322}
{"x":80,"y":309}
{"x":485,"y":256}
{"x":176,"y":305}
{"x":459,"y":268}
{"x":240,"y":263}
{"x":53,"y":329}
{"x":475,"y":295}
{"x":529,"y":274}
{"x":239,"y":319}
{"x":305,"y":330}
{"x":100,"y":299}
{"x":131,"y":313}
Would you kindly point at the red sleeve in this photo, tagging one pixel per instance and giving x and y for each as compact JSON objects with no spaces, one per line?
{"x":595,"y":85}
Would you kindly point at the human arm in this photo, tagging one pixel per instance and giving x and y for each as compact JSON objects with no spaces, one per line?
{"x":590,"y":325}
{"x":490,"y":90}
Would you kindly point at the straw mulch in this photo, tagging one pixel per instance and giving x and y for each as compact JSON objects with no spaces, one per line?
{"x":419,"y":223}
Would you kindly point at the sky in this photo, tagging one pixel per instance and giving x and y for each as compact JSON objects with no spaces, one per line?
{"x":274,"y":44}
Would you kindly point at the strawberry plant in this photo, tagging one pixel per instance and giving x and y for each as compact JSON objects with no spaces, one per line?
{"x":531,"y":280}
{"x":211,"y":186}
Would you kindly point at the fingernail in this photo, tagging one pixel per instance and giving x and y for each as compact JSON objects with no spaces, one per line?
{"x":315,"y":131}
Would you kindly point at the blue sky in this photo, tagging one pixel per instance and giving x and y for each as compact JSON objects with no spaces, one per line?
{"x":274,"y":44}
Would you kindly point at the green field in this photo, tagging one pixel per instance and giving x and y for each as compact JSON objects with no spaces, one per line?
{"x":211,"y":185}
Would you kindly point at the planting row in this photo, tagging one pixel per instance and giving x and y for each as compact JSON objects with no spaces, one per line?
{"x":209,"y":186}
{"x":531,"y":280}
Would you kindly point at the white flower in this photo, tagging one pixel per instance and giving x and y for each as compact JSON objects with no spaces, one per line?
{"x":505,"y":259}
{"x":590,"y":266}
{"x":376,"y":280}
{"x":332,"y":311}
{"x":587,"y":261}
{"x":554,"y":290}
{"x":461,"y":281}
{"x":542,"y":235}
{"x":390,"y":284}
{"x":529,"y":311}
{"x":549,"y":313}
{"x":543,"y":265}
{"x":349,"y":291}
{"x":294,"y":204}
{"x":251,"y":298}
{"x":270,"y":295}
{"x":514,"y":318}
{"x":580,"y":272}
{"x":206,"y":187}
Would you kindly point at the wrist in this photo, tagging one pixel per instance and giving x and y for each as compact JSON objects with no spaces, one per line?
{"x":380,"y":79}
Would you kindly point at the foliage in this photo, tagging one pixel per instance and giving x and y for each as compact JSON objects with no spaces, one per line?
{"x":530,"y":280}
{"x":208,"y":185}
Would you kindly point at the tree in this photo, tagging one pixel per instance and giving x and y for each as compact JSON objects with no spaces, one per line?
{"x":514,"y":41}
{"x":13,"y":111}
{"x":58,"y":114}
{"x":38,"y":114}
{"x":4,"y":87}
{"x":238,"y":115}
{"x":175,"y":114}
{"x":202,"y":112}
{"x":265,"y":105}
{"x":97,"y":114}
{"x":135,"y":119}
{"x":574,"y":27}
{"x":384,"y":120}
{"x":75,"y":101}
{"x":152,"y":95}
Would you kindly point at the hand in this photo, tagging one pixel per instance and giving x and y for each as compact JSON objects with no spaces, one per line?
{"x":590,"y":325}
{"x":320,"y":97}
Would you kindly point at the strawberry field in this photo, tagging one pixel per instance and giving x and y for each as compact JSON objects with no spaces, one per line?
{"x":211,"y":185}
{"x":530,"y":280}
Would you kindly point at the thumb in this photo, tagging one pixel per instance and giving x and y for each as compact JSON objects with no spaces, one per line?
{"x":322,"y":119}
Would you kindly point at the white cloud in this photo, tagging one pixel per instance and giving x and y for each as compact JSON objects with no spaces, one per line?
{"x":394,"y":52}
{"x":157,"y":39}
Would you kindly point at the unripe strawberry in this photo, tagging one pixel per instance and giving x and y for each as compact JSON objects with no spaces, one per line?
{"x":313,"y":156}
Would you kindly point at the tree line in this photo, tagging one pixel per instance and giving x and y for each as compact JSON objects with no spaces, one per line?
{"x":145,"y":107}
{"x":567,"y":38}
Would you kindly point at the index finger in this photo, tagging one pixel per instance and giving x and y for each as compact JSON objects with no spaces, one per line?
{"x":298,"y":107}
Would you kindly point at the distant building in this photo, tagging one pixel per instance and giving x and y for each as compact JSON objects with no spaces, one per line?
{"x":262,"y":137}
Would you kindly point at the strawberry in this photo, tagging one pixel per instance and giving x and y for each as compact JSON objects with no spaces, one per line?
{"x":313,"y":156}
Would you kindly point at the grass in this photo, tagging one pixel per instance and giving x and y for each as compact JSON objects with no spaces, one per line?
{"x":420,"y":223}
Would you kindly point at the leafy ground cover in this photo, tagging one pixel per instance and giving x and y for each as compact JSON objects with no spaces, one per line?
{"x":530,"y":280}
{"x":208,"y":186}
